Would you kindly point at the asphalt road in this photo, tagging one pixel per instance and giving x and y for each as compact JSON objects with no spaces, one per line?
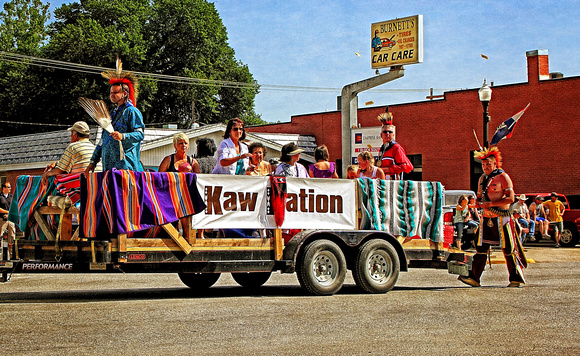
{"x":428,"y":312}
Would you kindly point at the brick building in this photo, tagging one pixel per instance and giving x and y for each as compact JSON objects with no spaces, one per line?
{"x":542,"y":155}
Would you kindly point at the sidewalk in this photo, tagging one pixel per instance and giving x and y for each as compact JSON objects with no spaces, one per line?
{"x":540,"y":254}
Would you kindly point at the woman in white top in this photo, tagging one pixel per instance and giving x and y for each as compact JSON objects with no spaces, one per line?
{"x":233,"y":155}
{"x":367,"y":169}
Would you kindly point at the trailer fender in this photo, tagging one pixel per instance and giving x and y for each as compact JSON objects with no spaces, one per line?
{"x":347,"y":240}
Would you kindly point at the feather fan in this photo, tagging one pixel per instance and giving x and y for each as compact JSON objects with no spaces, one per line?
{"x":97,"y":109}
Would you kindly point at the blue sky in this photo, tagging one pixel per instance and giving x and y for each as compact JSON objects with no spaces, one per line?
{"x":307,"y":43}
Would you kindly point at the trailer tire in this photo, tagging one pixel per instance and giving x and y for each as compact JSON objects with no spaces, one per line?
{"x":199,"y":281}
{"x":251,"y":280}
{"x":377,"y":267}
{"x":322,"y":268}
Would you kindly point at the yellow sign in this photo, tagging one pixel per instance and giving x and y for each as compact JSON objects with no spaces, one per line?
{"x":397,"y":42}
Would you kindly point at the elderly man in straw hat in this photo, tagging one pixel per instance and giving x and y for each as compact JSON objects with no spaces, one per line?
{"x":522,"y":214}
{"x":77,"y":155}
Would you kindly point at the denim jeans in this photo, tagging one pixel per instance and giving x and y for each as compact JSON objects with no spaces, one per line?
{"x":459,"y":228}
{"x":525,"y":225}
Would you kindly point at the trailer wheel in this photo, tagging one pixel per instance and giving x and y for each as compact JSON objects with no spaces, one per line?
{"x":377,"y":267}
{"x":322,"y":268}
{"x":251,"y":279}
{"x":199,"y":280}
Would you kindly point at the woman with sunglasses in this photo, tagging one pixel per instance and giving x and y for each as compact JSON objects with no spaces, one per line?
{"x":233,"y":154}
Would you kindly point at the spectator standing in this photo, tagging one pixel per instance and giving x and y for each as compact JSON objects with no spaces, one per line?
{"x":522,"y":214}
{"x":7,"y":227}
{"x":233,"y":155}
{"x":462,"y":218}
{"x":538,"y":213}
{"x":179,"y":161}
{"x":555,"y":211}
{"x":289,"y":165}
{"x":322,"y":168}
{"x":258,"y":166}
{"x":205,"y":150}
{"x":473,"y":210}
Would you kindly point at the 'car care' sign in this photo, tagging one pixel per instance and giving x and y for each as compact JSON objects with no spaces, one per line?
{"x":397,"y":42}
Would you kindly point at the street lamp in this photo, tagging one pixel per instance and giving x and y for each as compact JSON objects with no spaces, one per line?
{"x":485,"y":97}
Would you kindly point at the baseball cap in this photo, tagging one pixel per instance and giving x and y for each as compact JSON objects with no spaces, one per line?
{"x":80,"y":127}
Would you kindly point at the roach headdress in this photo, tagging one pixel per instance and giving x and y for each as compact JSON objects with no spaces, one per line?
{"x":485,"y":153}
{"x":385,"y":118}
{"x":119,"y":76}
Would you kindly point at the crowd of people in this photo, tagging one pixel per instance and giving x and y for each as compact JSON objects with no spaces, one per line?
{"x":539,"y":215}
{"x":532,"y":219}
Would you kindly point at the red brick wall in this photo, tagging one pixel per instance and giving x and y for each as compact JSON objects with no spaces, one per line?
{"x":542,"y":155}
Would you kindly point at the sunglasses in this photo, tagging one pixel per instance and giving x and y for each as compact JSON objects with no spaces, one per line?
{"x":388,"y":132}
{"x":237,"y":128}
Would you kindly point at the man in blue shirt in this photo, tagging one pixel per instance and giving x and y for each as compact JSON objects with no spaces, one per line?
{"x":127,"y":122}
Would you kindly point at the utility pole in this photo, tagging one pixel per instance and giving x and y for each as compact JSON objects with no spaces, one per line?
{"x":349,"y":107}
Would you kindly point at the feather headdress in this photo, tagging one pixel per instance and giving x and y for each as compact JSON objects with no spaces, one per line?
{"x":119,"y":76}
{"x":485,"y":153}
{"x":386,"y":118}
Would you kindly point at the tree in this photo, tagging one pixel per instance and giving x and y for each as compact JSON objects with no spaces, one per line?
{"x":22,"y":31}
{"x":189,"y":39}
{"x":176,"y":38}
{"x":23,"y":26}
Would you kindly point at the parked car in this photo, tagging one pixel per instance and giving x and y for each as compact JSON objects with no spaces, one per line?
{"x":570,"y":235}
{"x":449,"y":203}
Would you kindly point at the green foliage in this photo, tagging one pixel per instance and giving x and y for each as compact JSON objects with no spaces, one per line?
{"x":22,"y":26}
{"x":178,"y":38}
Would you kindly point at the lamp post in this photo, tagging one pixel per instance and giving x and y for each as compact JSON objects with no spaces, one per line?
{"x":485,"y":97}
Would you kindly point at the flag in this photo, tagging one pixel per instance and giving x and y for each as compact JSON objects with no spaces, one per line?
{"x":505,"y":129}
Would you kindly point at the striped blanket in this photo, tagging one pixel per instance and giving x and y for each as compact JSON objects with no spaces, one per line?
{"x":121,"y":201}
{"x":30,"y":193}
{"x":69,"y":185}
{"x":402,"y":208}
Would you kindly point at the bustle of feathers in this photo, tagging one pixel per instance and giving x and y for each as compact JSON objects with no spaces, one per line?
{"x":386,"y":118}
{"x":485,"y":153}
{"x":119,"y":76}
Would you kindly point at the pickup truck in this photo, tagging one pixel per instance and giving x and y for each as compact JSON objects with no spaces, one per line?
{"x":571,"y":233}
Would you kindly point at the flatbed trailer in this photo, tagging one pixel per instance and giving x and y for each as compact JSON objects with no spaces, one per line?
{"x":319,"y":257}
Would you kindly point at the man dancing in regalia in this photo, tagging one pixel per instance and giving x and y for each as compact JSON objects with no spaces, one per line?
{"x":495,"y":194}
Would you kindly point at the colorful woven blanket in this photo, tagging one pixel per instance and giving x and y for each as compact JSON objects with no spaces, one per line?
{"x":69,"y":185}
{"x":402,"y":208}
{"x":28,"y":196}
{"x":121,"y":201}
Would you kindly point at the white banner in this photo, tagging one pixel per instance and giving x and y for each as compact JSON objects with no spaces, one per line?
{"x":242,"y":202}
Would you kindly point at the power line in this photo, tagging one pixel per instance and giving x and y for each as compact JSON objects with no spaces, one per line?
{"x":31,"y":123}
{"x":83,"y":68}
